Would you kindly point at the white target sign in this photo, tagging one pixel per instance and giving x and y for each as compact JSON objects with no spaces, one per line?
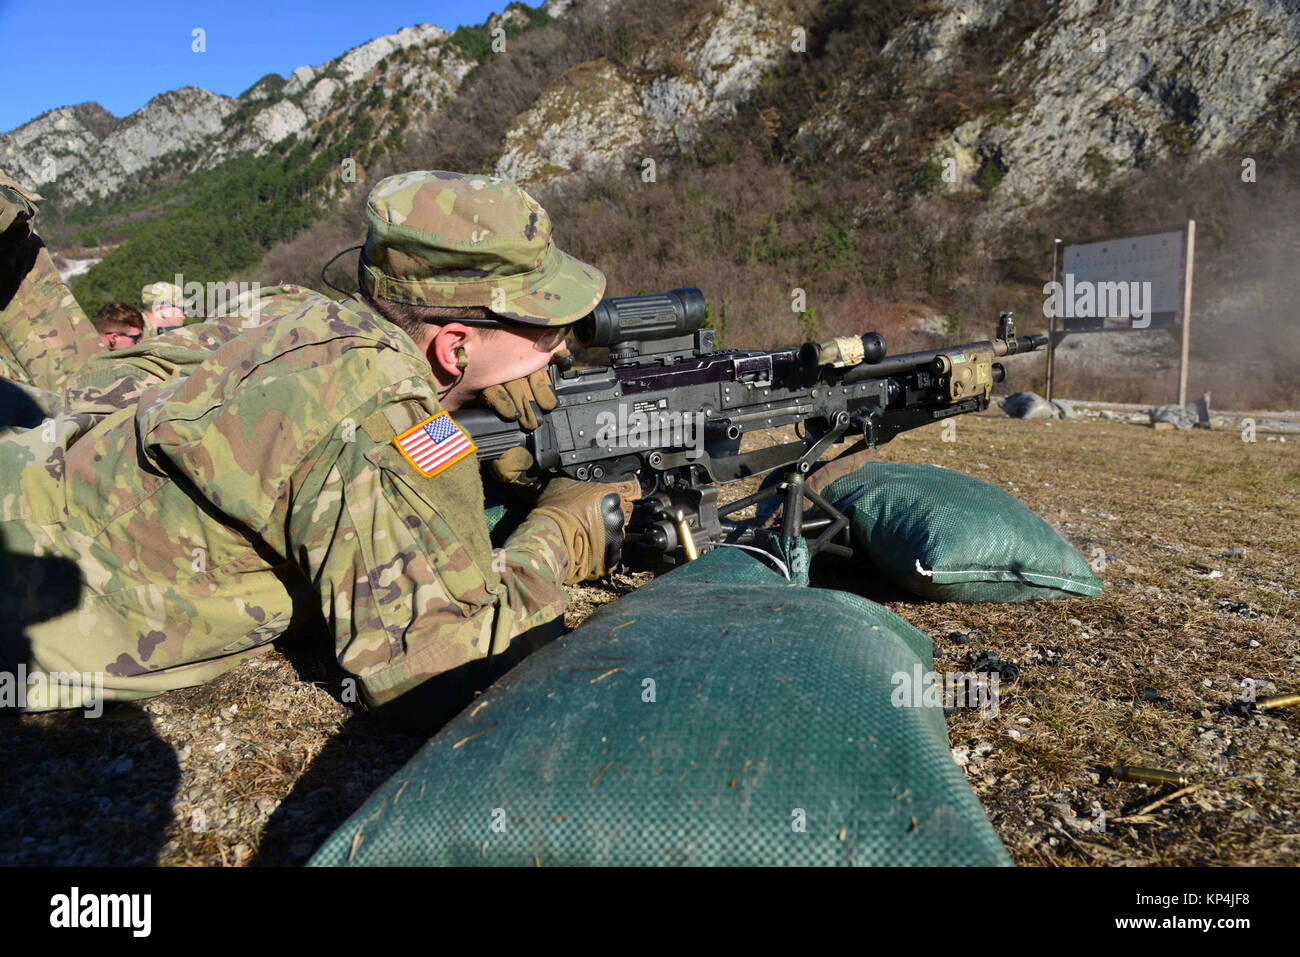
{"x":1136,"y":281}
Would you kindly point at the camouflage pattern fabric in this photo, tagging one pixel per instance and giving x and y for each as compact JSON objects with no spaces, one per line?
{"x":17,"y":206}
{"x":447,"y":239}
{"x":161,"y":294}
{"x":44,"y":334}
{"x":203,"y":491}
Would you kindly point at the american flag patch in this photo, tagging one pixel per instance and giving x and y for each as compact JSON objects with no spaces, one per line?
{"x":434,"y":444}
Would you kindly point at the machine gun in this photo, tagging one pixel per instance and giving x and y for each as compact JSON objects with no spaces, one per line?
{"x":672,"y":411}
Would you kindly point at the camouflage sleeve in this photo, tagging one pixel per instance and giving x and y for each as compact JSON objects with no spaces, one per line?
{"x":115,"y":380}
{"x":44,"y":335}
{"x":421,"y":608}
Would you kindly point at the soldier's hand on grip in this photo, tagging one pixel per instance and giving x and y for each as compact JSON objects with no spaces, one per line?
{"x":591,"y":516}
{"x":514,"y":399}
{"x":511,"y":467}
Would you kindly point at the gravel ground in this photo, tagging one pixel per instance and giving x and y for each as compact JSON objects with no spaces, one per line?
{"x":1201,"y":592}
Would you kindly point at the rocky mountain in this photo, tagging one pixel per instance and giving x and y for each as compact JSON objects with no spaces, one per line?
{"x":1093,"y":88}
{"x":58,"y":139}
{"x":915,"y":152}
{"x":89,"y":154}
{"x":1096,"y":87}
{"x":598,"y":115}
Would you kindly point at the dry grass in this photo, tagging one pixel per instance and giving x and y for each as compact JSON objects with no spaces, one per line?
{"x":261,"y":765}
{"x":1167,"y":508}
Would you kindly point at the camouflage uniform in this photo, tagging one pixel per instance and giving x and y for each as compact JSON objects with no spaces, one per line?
{"x":44,"y":334}
{"x":204,"y":490}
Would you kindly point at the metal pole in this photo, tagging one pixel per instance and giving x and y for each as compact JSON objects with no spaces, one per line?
{"x":1187,"y":311}
{"x":1051,"y":331}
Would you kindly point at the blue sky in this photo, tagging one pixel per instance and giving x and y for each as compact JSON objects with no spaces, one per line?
{"x":56,"y":53}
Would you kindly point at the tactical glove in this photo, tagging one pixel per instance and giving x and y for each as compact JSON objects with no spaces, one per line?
{"x":17,"y":207}
{"x":591,"y":516}
{"x":514,"y":399}
{"x":510,"y":467}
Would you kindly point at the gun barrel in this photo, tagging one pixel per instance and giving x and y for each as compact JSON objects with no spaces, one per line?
{"x":907,"y":361}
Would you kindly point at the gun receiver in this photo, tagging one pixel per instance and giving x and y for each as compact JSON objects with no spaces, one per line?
{"x":673,"y":411}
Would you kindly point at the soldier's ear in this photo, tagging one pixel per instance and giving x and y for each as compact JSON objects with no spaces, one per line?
{"x":446,"y":350}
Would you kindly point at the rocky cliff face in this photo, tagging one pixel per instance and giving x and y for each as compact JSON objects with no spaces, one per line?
{"x":54,"y":141}
{"x":599,"y":116}
{"x":1095,"y":90}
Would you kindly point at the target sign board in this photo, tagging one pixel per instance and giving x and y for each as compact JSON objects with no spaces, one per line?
{"x":1115,"y":283}
{"x":1133,"y":281}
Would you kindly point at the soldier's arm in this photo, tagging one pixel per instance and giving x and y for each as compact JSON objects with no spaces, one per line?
{"x":115,"y":380}
{"x":423,"y":612}
{"x":44,"y":335}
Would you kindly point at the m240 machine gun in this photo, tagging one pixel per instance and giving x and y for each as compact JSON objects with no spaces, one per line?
{"x":671,"y":410}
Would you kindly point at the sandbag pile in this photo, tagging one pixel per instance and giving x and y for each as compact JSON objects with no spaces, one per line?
{"x":716,"y":716}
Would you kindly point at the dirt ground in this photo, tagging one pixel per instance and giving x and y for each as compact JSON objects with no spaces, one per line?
{"x":1199,"y":534}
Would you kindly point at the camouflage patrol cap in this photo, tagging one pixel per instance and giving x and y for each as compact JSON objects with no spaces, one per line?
{"x":162,"y":294}
{"x":454,"y":239}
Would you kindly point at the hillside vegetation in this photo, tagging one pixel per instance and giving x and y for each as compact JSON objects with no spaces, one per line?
{"x":774,"y":195}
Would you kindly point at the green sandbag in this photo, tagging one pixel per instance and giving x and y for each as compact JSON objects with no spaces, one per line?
{"x":952,"y":537}
{"x":716,"y":716}
{"x":504,"y":510}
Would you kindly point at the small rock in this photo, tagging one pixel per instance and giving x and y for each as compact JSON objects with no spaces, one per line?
{"x":987,"y":662}
{"x":1027,"y":405}
{"x":1235,"y":608}
{"x":1107,"y":414}
{"x":1172,"y":417}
